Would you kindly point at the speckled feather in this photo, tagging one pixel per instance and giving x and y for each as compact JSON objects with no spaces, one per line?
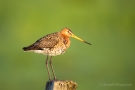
{"x":52,"y":44}
{"x":48,"y":41}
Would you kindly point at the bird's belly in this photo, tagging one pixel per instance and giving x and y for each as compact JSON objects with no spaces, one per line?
{"x":54,"y":51}
{"x":51,"y":52}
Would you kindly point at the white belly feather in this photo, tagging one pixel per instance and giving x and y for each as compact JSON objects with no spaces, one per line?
{"x":53,"y":52}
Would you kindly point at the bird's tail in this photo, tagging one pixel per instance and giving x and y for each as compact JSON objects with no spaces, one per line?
{"x":32,"y":47}
{"x":25,"y":48}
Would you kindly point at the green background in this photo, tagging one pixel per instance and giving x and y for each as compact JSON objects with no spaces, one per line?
{"x":108,"y":24}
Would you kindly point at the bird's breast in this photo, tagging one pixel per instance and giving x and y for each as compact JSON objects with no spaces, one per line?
{"x":66,"y":42}
{"x":58,"y":49}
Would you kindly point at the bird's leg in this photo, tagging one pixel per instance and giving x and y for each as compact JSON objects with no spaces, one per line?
{"x":48,"y":68}
{"x":52,"y":67}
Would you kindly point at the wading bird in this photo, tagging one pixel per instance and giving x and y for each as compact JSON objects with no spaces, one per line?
{"x":53,"y":44}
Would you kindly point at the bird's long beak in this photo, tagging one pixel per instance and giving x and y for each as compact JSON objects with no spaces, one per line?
{"x":80,"y":39}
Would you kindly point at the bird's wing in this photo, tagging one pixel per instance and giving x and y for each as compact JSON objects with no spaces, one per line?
{"x":48,"y":41}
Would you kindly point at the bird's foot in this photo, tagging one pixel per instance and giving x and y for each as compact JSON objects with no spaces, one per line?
{"x":55,"y":79}
{"x":50,"y":79}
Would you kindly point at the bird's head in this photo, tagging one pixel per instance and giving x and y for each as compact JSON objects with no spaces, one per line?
{"x":66,"y":32}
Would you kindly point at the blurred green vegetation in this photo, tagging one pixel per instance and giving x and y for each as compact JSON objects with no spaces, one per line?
{"x":108,"y":24}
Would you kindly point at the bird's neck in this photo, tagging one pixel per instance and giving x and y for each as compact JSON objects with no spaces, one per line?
{"x":66,"y":41}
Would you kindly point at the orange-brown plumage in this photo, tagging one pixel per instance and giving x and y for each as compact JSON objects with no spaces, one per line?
{"x":53,"y":44}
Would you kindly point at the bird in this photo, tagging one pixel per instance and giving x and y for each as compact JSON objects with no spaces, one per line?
{"x":52,"y":45}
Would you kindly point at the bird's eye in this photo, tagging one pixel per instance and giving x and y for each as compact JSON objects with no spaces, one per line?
{"x":69,"y":31}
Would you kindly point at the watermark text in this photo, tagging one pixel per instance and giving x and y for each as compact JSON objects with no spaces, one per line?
{"x":116,"y":84}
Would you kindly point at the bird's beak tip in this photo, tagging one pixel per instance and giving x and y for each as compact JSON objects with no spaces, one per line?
{"x":87,"y":43}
